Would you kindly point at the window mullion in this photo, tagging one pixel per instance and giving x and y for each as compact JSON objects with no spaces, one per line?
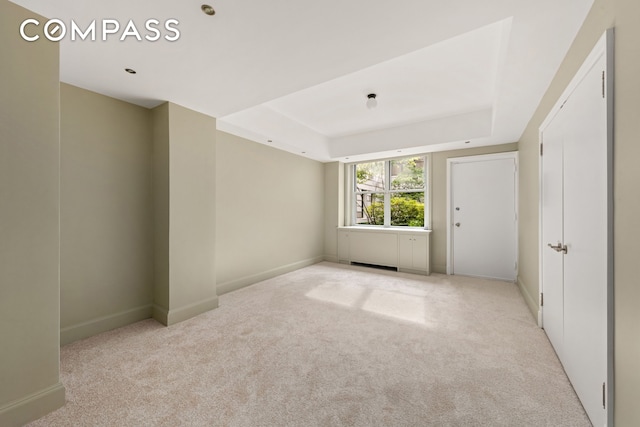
{"x":427,"y":195}
{"x":355,"y":195}
{"x":387,"y":193}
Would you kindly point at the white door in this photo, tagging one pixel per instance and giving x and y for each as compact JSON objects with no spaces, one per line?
{"x":575,"y":219}
{"x":483,"y":216}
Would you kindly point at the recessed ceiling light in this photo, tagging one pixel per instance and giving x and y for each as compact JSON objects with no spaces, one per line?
{"x":208,"y":9}
{"x":467,"y":142}
{"x":130,"y":70}
{"x":269,"y":140}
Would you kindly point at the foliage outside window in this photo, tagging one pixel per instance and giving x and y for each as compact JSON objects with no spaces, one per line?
{"x":390,"y":192}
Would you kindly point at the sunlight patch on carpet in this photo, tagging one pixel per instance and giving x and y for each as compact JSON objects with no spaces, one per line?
{"x":398,"y":305}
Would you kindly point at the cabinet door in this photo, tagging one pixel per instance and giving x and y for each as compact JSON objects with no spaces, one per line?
{"x":343,"y":245}
{"x":405,"y":251}
{"x":374,"y":248}
{"x":420,"y":258}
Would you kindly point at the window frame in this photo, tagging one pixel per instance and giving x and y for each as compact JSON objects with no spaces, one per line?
{"x":353,"y":193}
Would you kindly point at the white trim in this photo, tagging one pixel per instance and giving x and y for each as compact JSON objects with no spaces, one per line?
{"x":33,"y":406}
{"x":234,"y":285}
{"x":177,"y":315}
{"x":172,"y":316}
{"x":349,"y":212}
{"x":540,"y":290}
{"x":448,"y":222}
{"x":480,"y":158}
{"x":101,"y":324}
{"x":531,"y":300}
{"x":609,"y":36}
{"x":394,"y":229}
{"x":428,"y":213}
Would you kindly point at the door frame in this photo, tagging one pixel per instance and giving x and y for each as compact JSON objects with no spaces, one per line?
{"x":604,"y":46}
{"x":479,"y":158}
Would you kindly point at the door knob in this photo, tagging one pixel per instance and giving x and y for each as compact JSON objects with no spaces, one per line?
{"x":558,"y":248}
{"x":457,"y":224}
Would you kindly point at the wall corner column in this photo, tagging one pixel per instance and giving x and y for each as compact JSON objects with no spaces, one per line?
{"x":184,"y":205}
{"x":29,"y":223}
{"x":333,"y":208}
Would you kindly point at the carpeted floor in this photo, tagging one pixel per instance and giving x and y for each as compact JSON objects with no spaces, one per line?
{"x":328,"y":345}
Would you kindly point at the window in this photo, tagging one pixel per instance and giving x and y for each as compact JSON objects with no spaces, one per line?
{"x":390,"y":192}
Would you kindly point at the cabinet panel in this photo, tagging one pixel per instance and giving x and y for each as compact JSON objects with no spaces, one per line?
{"x":373,"y":248}
{"x":413,"y":252}
{"x":420,"y":252}
{"x":405,"y":251}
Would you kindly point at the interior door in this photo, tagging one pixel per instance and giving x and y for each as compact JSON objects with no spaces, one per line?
{"x":483,"y":216}
{"x":575,"y":237}
{"x":585,"y":235}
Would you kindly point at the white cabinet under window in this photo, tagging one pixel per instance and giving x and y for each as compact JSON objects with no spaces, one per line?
{"x":405,"y":249}
{"x":413,"y":252}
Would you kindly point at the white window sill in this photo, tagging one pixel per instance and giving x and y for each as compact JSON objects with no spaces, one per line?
{"x":381,"y":229}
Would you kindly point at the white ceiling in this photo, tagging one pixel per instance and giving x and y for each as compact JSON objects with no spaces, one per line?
{"x":296,"y":73}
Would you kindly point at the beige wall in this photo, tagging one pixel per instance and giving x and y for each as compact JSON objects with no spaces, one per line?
{"x":334,"y":208}
{"x":624,"y":15}
{"x":439,"y":199}
{"x":106,"y":246}
{"x":192,"y":212}
{"x":29,"y":212}
{"x":184,"y":166}
{"x":270,"y":211}
{"x":161,"y":209}
{"x":627,"y":211}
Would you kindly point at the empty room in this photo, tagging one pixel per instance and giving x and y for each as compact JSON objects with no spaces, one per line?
{"x":319,"y":213}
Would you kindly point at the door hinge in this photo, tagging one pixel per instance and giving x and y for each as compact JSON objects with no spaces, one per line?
{"x":603,"y":84}
{"x":541,"y":149}
{"x":604,"y":394}
{"x":541,"y":299}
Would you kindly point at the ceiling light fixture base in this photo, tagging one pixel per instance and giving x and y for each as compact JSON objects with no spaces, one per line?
{"x":208,"y":10}
{"x":372,"y":102}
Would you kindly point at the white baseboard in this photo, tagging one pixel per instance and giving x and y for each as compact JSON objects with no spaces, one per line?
{"x":96,"y":326}
{"x":331,"y":258}
{"x":177,"y":315}
{"x":540,"y":323}
{"x":412,"y":271}
{"x":439,"y":268}
{"x":160,"y":314}
{"x":532,"y":303}
{"x":236,"y":284}
{"x":33,"y":406}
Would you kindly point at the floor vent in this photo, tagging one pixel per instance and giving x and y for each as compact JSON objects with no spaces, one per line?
{"x":379,"y":267}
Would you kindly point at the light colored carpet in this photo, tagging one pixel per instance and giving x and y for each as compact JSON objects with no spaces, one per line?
{"x":328,"y":345}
